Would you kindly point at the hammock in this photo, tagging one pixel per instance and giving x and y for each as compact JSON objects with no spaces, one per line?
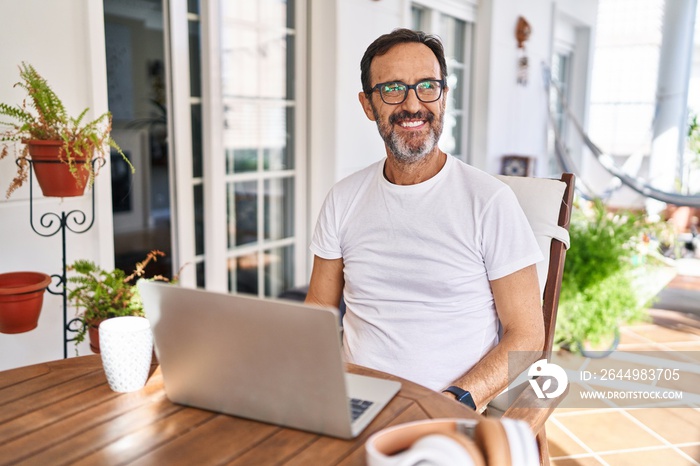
{"x":568,"y":165}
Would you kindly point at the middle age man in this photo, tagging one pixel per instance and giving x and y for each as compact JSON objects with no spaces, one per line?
{"x":429,"y":253}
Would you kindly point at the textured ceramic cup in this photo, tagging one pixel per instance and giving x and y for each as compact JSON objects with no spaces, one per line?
{"x":126,"y":345}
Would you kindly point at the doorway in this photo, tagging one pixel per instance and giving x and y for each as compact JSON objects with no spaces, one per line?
{"x":134,"y":40}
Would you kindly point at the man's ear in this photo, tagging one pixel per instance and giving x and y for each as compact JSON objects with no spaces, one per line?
{"x":366,"y":105}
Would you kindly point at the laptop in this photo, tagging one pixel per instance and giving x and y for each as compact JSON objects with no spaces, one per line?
{"x":273,"y":361}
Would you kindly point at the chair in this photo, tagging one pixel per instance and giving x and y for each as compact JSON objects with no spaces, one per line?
{"x":547,"y":204}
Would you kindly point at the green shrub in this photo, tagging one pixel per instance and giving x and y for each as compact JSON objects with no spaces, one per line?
{"x":598,"y":292}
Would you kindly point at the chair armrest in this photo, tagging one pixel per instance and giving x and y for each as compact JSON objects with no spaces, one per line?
{"x":535,"y":411}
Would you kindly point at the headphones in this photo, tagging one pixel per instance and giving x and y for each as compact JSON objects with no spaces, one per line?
{"x":454,"y":442}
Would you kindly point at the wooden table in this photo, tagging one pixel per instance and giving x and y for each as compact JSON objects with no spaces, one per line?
{"x":64,"y":412}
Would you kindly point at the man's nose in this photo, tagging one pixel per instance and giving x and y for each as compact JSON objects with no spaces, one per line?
{"x":412,"y":103}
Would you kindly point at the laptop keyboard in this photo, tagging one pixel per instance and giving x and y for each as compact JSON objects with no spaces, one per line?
{"x":359,"y":406}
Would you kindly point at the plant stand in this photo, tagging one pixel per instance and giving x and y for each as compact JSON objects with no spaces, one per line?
{"x":51,"y":223}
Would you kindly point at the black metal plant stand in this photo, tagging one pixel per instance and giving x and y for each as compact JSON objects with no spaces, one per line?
{"x":50,"y":224}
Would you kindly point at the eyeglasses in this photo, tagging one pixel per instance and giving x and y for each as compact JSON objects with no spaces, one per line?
{"x":395,"y":92}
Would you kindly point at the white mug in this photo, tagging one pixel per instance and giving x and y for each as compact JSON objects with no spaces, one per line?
{"x":126,"y":347}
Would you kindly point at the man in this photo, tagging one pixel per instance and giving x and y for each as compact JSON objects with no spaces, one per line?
{"x":429,"y":253}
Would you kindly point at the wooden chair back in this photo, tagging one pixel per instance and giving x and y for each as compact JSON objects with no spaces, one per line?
{"x":526,"y":407}
{"x":557,"y":256}
{"x":547,"y":203}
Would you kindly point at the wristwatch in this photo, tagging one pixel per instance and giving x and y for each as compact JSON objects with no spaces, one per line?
{"x":463,"y":396}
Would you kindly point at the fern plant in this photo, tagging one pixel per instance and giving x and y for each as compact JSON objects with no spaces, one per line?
{"x":43,"y":116}
{"x":99,"y":294}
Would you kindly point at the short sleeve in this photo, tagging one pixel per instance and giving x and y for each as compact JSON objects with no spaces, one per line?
{"x":324,"y":242}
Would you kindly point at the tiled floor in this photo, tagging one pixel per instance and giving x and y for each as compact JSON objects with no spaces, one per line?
{"x":614,"y":435}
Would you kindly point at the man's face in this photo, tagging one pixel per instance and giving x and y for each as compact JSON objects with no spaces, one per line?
{"x":411,"y":129}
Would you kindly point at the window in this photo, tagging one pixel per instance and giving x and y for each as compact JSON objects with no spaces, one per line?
{"x":258,"y":56}
{"x":455,"y":28}
{"x":560,"y":76}
{"x":560,"y":72}
{"x":623,"y":93}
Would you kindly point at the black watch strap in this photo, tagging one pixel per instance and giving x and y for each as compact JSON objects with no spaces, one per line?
{"x":463,"y":396}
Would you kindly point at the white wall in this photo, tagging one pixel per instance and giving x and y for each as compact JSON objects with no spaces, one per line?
{"x":517,"y":113}
{"x":375,"y":18}
{"x":64,"y":41}
{"x":510,"y":118}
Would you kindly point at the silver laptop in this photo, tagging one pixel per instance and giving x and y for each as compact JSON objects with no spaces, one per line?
{"x":270,"y":360}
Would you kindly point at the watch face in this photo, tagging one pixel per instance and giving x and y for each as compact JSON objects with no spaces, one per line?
{"x":515,"y":166}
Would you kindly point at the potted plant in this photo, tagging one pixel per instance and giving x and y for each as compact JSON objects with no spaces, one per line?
{"x":41,"y":123}
{"x":599,"y":291}
{"x":99,"y":294}
{"x":21,"y":298}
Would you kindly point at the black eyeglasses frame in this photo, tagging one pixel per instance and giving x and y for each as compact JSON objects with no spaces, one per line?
{"x":408,"y":88}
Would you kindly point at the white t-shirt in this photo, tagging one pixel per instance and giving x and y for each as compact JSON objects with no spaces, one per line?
{"x":417,"y":264}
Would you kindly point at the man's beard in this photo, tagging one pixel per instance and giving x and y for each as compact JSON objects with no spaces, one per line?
{"x":410,"y":148}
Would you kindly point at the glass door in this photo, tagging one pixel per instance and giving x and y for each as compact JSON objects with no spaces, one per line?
{"x":260,"y":95}
{"x":242,"y":188}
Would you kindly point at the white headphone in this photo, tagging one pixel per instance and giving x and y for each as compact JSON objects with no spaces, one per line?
{"x":454,"y":442}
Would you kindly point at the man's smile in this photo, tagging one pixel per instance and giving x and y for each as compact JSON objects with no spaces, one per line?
{"x":411,"y":124}
{"x":410,"y":121}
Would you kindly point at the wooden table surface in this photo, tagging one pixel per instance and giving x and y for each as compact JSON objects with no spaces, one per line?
{"x":63,"y":412}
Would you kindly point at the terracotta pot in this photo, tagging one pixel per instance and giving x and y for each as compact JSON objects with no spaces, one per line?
{"x":94,"y":335}
{"x":53,"y":175}
{"x":21,"y":298}
{"x":602,"y":349}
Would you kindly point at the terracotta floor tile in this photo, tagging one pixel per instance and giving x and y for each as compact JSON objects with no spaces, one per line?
{"x":646,"y":321}
{"x":565,"y":410}
{"x":682,"y":319}
{"x":560,"y":443}
{"x":608,"y":431}
{"x":629,"y":338}
{"x":623,"y":360}
{"x":665,"y":457}
{"x":642,"y":323}
{"x":567,"y":360}
{"x":692,"y":349}
{"x":692,"y":451}
{"x":643,"y":347}
{"x":685,"y":282}
{"x":693,"y":331}
{"x":677,"y":425}
{"x":575,"y":401}
{"x":687,"y":382}
{"x":688,"y":352}
{"x":576,"y":462}
{"x":663,"y":335}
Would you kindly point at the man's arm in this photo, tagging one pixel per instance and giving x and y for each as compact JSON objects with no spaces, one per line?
{"x":327,"y":281}
{"x":519,"y":309}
